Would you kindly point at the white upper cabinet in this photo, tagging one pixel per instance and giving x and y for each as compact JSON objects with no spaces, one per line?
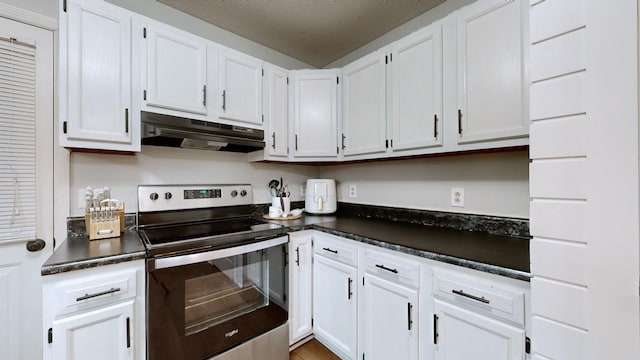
{"x":315,"y":113}
{"x":240,"y":87}
{"x":276,"y":102}
{"x":491,"y":70}
{"x":364,"y":115}
{"x":416,"y":90}
{"x":95,"y":77}
{"x":176,"y":69}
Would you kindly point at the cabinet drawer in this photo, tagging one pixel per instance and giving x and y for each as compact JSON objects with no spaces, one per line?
{"x":481,"y":295}
{"x":335,"y":248}
{"x":394,"y":268}
{"x":90,"y":291}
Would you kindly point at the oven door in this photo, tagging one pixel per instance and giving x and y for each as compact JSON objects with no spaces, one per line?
{"x":202,"y":304}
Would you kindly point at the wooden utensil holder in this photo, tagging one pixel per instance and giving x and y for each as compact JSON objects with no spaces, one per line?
{"x":103,"y":227}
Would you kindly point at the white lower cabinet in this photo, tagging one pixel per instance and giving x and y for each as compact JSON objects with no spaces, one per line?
{"x":390,"y":322}
{"x":334,"y":306}
{"x":373,"y":303}
{"x":300,"y":286}
{"x":465,"y":334}
{"x":96,"y":313}
{"x":477,"y":317}
{"x":335,"y":293}
{"x":102,"y":333}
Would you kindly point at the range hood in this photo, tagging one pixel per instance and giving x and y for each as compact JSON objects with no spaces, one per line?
{"x":175,"y":131}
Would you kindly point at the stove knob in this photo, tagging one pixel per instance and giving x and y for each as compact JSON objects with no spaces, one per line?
{"x":167,"y":195}
{"x":234,"y":193}
{"x":243,"y":193}
{"x":153,"y":196}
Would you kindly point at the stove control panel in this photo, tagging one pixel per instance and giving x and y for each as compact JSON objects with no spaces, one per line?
{"x":180,"y":197}
{"x":204,"y":193}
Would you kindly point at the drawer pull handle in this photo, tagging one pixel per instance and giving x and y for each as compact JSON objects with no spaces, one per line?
{"x":473,"y":297}
{"x":330,"y":250}
{"x":395,"y":271}
{"x":89,"y":296}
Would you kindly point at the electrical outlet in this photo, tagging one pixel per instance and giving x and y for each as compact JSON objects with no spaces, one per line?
{"x":457,"y":197}
{"x":353,"y":191}
{"x":303,"y":188}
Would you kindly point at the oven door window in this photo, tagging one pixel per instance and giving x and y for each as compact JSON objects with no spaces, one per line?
{"x":200,"y":309}
{"x":231,"y":287}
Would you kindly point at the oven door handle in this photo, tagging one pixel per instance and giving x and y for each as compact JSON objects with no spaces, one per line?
{"x":173,"y":261}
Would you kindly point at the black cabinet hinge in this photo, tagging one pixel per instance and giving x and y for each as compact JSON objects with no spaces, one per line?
{"x":284,"y":297}
{"x":263,"y":118}
{"x":527,"y":345}
{"x":386,"y":143}
{"x":64,"y":127}
{"x":144,"y":32}
{"x":337,"y":80}
{"x":144,"y":95}
{"x":337,"y":150}
{"x":391,"y":57}
{"x":363,"y":281}
{"x":262,"y":72}
{"x":362,"y":356}
{"x":391,"y":142}
{"x":64,"y":6}
{"x":386,"y":59}
{"x":50,"y":336}
{"x":287,"y":80}
{"x":312,"y":322}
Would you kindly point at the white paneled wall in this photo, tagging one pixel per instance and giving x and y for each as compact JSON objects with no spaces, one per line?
{"x":557,"y":179}
{"x":584,"y":179}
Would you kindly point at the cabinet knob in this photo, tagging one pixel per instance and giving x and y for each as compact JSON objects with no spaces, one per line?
{"x":167,"y":195}
{"x":153,"y":196}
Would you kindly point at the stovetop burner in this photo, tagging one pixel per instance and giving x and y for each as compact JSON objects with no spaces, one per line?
{"x":173,"y":233}
{"x":188,"y":218}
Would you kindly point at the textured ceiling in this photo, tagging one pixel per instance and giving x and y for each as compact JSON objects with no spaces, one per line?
{"x":316,"y":32}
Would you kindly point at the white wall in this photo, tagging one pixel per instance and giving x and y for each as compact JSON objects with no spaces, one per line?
{"x":157,"y":165}
{"x":494,"y":184}
{"x":42,"y":7}
{"x":584,"y":179}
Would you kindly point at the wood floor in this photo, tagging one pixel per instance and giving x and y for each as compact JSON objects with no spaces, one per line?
{"x":312,"y":350}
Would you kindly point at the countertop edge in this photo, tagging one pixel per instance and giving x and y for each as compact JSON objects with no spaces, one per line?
{"x":489,"y":268}
{"x":53,"y":269}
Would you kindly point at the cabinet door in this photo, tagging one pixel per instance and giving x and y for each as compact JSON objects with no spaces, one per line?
{"x":390,"y":320}
{"x":364,"y":106}
{"x":492,"y":95}
{"x":240,"y":88}
{"x":103,"y":333}
{"x":316,"y":113}
{"x":464,"y":334}
{"x":277,"y":111}
{"x":334,"y":306}
{"x":300,"y":288}
{"x":176,"y":70}
{"x":416,"y":63}
{"x":96,"y":77}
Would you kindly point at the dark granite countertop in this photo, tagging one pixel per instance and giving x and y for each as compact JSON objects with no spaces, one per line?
{"x":496,"y":253}
{"x":78,"y":252}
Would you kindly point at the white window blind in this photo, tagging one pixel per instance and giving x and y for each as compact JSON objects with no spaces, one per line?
{"x":17,"y":140}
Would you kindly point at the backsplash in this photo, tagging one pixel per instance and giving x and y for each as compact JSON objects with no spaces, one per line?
{"x":470,"y":222}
